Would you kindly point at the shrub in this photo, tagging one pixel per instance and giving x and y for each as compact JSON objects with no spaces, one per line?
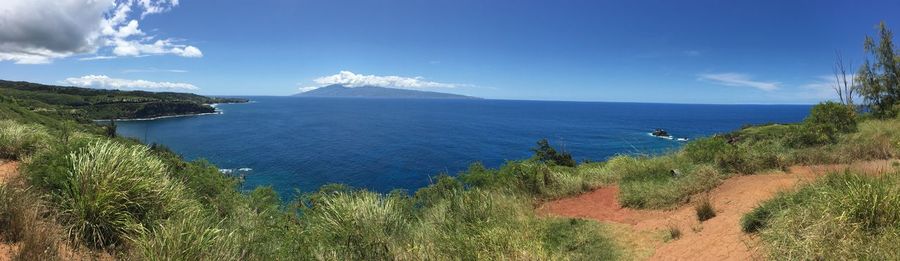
{"x":704,"y":210}
{"x":830,"y":119}
{"x":21,"y":140}
{"x":545,"y":153}
{"x":112,"y":191}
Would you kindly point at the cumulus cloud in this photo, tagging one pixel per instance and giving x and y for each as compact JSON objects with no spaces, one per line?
{"x":350,"y":79}
{"x":39,"y":31}
{"x":106,"y":82}
{"x":738,"y":80}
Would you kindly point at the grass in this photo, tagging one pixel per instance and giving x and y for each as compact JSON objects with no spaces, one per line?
{"x":113,"y":191}
{"x":23,"y":220}
{"x":18,"y":141}
{"x":672,"y":233}
{"x":841,"y":216}
{"x":704,"y":210}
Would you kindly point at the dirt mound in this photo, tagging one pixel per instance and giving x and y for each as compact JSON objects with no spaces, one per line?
{"x":716,"y":239}
{"x":8,"y":170}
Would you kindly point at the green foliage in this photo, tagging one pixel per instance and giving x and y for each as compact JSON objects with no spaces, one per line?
{"x":112,"y":191}
{"x":86,"y":104}
{"x":545,"y":153}
{"x":880,"y":78}
{"x":840,"y":216}
{"x":831,"y":119}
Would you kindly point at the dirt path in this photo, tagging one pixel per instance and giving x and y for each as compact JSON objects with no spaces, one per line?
{"x":719,"y":238}
{"x":8,"y":170}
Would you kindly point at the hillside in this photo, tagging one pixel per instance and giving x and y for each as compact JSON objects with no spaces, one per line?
{"x":340,"y":91}
{"x":86,"y":104}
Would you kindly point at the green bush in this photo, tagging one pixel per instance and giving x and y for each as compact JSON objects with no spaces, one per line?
{"x":112,"y":191}
{"x":830,"y":119}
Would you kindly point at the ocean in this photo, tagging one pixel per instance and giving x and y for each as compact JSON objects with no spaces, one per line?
{"x":294,"y":143}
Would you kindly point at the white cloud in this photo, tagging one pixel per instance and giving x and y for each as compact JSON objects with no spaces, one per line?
{"x":99,"y":57}
{"x":822,"y":88}
{"x":39,"y":31}
{"x":738,"y":80}
{"x":105,"y":82}
{"x":351,"y":79}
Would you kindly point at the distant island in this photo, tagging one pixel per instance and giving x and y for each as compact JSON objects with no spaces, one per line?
{"x":86,"y":104}
{"x":341,"y":91}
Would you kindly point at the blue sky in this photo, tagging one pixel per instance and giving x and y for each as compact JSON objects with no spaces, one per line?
{"x":632,"y":51}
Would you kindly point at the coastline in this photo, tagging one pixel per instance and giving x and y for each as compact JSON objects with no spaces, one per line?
{"x":162,"y":117}
{"x":213,"y":105}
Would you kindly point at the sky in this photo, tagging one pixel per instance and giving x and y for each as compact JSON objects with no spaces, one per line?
{"x":726,"y":52}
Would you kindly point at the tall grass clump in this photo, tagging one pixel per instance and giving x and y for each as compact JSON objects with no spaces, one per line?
{"x":189,"y":236}
{"x":579,"y":239}
{"x":660,"y":182}
{"x":875,"y":139}
{"x":355,"y":226}
{"x":704,"y":210}
{"x":842,"y":216}
{"x":478,"y":225}
{"x":21,"y":140}
{"x":112,"y":191}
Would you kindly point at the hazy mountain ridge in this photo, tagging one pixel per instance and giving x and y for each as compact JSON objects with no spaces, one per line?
{"x":377,"y":92}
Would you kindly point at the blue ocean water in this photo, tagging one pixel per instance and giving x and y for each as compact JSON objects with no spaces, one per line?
{"x":381,"y":144}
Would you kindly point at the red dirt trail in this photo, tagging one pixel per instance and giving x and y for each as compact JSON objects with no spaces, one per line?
{"x":719,"y":238}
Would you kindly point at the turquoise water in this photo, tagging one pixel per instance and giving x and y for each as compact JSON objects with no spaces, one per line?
{"x":381,"y":144}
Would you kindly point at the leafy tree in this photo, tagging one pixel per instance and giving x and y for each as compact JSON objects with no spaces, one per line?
{"x":879,"y":79}
{"x":546,"y":153}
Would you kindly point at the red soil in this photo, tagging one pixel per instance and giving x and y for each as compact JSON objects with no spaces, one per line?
{"x":719,"y":238}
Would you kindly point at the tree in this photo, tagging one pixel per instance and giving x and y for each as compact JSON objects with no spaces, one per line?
{"x":844,"y":86}
{"x":546,"y":153}
{"x":879,"y":79}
